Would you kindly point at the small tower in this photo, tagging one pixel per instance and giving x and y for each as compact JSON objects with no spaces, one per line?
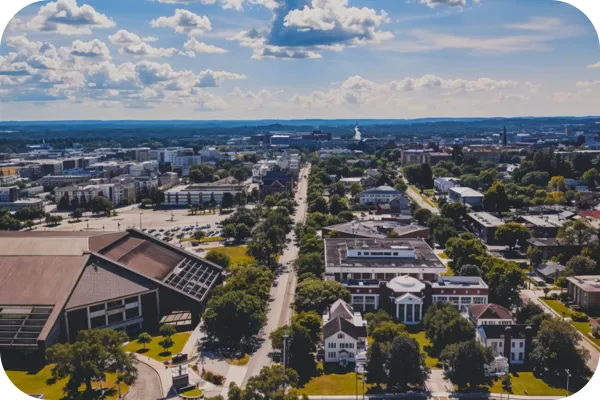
{"x":504,"y":138}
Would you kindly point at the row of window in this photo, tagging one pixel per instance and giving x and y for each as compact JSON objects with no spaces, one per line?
{"x":103,"y":320}
{"x":113,"y":304}
{"x":333,"y":354}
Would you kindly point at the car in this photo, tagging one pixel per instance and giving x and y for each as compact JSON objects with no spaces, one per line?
{"x":275,"y":283}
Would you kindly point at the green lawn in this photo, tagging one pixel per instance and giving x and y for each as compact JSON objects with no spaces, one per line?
{"x":334,"y":380}
{"x":34,"y":382}
{"x":583,"y":327}
{"x":443,"y":255}
{"x":153,"y":349}
{"x":193,"y":392}
{"x":418,"y":333}
{"x":524,"y":381}
{"x":237,"y":254}
{"x":425,"y":198}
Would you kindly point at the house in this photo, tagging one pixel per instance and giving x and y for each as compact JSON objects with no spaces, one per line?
{"x":408,"y":297}
{"x":514,"y":342}
{"x":551,"y":247}
{"x":344,"y":333}
{"x":276,"y":182}
{"x":550,"y":271}
{"x":399,"y":205}
{"x":490,"y":314}
{"x":56,"y":283}
{"x":484,"y":225}
{"x":381,"y":194}
{"x":584,"y":290}
{"x":348,"y":182}
{"x":465,"y":195}
{"x":444,"y":184}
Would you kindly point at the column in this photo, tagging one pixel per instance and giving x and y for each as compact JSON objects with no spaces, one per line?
{"x":397,"y":311}
{"x":404,"y":320}
{"x":413,"y":313}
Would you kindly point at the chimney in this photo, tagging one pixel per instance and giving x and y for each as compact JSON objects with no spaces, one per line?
{"x":528,"y":342}
{"x":507,"y":342}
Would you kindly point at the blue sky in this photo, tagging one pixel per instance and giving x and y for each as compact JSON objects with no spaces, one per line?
{"x":252,"y":59}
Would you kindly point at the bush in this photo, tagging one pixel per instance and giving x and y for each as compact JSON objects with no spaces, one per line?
{"x":580,"y":317}
{"x":213,"y":378}
{"x":563,"y":296}
{"x":553,"y":296}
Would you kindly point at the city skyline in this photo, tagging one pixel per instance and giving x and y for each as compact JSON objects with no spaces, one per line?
{"x":289,"y":59}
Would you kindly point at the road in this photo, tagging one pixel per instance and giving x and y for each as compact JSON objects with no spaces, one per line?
{"x":594,"y":354}
{"x":280,"y":310}
{"x":147,"y":386}
{"x":418,"y":199}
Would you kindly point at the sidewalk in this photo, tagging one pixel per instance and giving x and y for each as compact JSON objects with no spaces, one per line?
{"x":166,"y":380}
{"x":447,"y":395}
{"x":236,"y":374}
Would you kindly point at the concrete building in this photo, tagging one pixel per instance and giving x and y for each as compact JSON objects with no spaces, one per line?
{"x":465,"y":195}
{"x":443,"y":185}
{"x":484,"y":225}
{"x":584,"y":290}
{"x":381,"y":194}
{"x":344,"y":333}
{"x":142,"y":154}
{"x":49,"y":182}
{"x":168,"y":179}
{"x":376,"y":229}
{"x":198,"y":194}
{"x":462,"y":291}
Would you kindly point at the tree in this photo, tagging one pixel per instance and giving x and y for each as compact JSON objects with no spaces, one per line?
{"x":316,"y":295}
{"x":504,"y":279}
{"x":581,"y":265}
{"x":445,"y":325}
{"x":534,"y":255}
{"x":166,"y":343}
{"x":558,"y":183}
{"x":8,"y":223}
{"x":101,"y":204}
{"x":470,"y":270}
{"x":355,"y":189}
{"x":218,"y":258}
{"x":227,"y":201}
{"x":77,"y":214}
{"x":271,"y":383}
{"x":386,"y":331}
{"x":88,"y":358}
{"x":512,"y":233}
{"x":199,"y":234}
{"x":531,"y":314}
{"x":167,"y":330}
{"x":557,"y":348}
{"x":234,"y":316}
{"x":457,"y":212}
{"x":592,"y":176}
{"x":442,"y":234}
{"x":242,"y":232}
{"x":63,"y":203}
{"x":495,"y":198}
{"x":466,"y":362}
{"x":376,"y":362}
{"x":144,"y":338}
{"x":464,"y":252}
{"x":412,"y":173}
{"x":422,"y":215}
{"x":337,"y":204}
{"x":406,"y":365}
{"x":426,"y":176}
{"x":319,"y":205}
{"x":578,"y":232}
{"x":312,"y":263}
{"x":376,"y":319}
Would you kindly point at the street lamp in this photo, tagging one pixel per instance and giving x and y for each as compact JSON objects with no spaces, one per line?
{"x":568,"y":376}
{"x":141,"y":221}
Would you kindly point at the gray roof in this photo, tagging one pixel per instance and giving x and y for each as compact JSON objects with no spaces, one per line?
{"x":382,"y":190}
{"x":340,"y":324}
{"x":551,"y":268}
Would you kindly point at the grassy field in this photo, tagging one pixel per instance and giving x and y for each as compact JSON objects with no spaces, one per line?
{"x":418,"y":333}
{"x":443,"y":255}
{"x":524,"y":383}
{"x":334,"y":380}
{"x":34,"y":382}
{"x":193,"y":392}
{"x":425,"y":198}
{"x":237,"y":254}
{"x":583,"y":327}
{"x":153,"y":349}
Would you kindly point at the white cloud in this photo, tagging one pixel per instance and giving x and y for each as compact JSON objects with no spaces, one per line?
{"x":597,"y":65}
{"x":93,"y":49}
{"x":539,"y":24}
{"x":587,"y":84}
{"x":450,"y":3}
{"x":211,"y":78}
{"x":195,"y":46}
{"x":67,"y":18}
{"x":185,"y":22}
{"x":134,"y":45}
{"x":125,"y":37}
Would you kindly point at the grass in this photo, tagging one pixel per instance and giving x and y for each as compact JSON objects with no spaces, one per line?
{"x":192,"y":392}
{"x":31,"y":382}
{"x":524,"y":383}
{"x":237,"y":254}
{"x":211,"y":239}
{"x":583,"y":327}
{"x":417,"y":332}
{"x":153,"y":349}
{"x":449,"y":272}
{"x":239,"y":361}
{"x":334,"y":380}
{"x":424,"y":198}
{"x":443,"y":255}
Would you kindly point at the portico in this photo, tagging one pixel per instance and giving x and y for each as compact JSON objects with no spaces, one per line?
{"x":409,"y":309}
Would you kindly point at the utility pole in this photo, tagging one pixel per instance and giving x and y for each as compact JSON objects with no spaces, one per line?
{"x":568,"y":376}
{"x":285,"y":348}
{"x":141,"y":221}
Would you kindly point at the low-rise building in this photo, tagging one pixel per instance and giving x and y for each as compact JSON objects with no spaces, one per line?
{"x":584,"y":290}
{"x":466,"y":195}
{"x":443,"y":185}
{"x":376,"y":229}
{"x":277,"y":182}
{"x":462,"y":291}
{"x":381,"y":194}
{"x":551,"y":270}
{"x":344,"y":333}
{"x":514,"y":342}
{"x":484,"y":225}
{"x":198,"y":194}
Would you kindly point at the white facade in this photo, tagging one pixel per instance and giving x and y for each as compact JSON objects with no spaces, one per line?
{"x":443,"y":185}
{"x":340,"y":347}
{"x":382,"y":194}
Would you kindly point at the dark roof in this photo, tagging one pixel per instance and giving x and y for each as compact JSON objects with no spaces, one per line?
{"x":340,"y":324}
{"x":369,"y":229}
{"x":489,"y":311}
{"x":499,"y":331}
{"x":102,"y":281}
{"x":551,"y":268}
{"x":341,"y":309}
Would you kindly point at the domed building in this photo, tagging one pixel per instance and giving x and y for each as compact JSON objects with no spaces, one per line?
{"x":407,"y":295}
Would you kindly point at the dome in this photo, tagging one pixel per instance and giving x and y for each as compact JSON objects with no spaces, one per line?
{"x":405,"y":284}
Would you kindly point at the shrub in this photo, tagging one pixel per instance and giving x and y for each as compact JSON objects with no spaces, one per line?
{"x":553,"y":296}
{"x":563,"y":296}
{"x":580,"y":317}
{"x":213,"y":378}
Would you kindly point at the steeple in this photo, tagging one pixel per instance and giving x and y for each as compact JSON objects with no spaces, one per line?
{"x":504,"y":139}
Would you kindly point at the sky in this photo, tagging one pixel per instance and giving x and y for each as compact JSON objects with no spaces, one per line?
{"x":297,"y":59}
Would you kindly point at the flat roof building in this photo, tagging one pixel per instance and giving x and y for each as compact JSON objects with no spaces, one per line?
{"x":584,"y":290}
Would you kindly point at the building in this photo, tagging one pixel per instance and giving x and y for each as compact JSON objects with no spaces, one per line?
{"x":344,"y":333}
{"x":142,"y":154}
{"x":514,"y":342}
{"x":550,"y":247}
{"x":381,"y":194}
{"x":380,"y":259}
{"x":9,"y":194}
{"x":348,"y":182}
{"x":551,"y":270}
{"x":407,"y":295}
{"x":465,"y":195}
{"x":31,"y":191}
{"x":584,"y":290}
{"x":57,"y":283}
{"x":412,"y":156}
{"x":490,"y":314}
{"x":8,"y":179}
{"x":436,"y":157}
{"x":275,"y":182}
{"x":168,"y":179}
{"x":443,"y":185}
{"x":484,"y":225}
{"x":36,"y":204}
{"x":462,"y":291}
{"x":49,"y":182}
{"x":280,"y":141}
{"x":119,"y":193}
{"x":198,"y":194}
{"x":376,"y":229}
{"x":544,"y":225}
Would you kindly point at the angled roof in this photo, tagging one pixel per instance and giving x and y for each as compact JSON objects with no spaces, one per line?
{"x":341,"y":309}
{"x":489,"y":311}
{"x":382,"y":190}
{"x":340,"y":324}
{"x":551,"y":268}
{"x":499,"y":331}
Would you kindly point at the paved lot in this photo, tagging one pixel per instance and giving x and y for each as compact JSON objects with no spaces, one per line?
{"x":147,"y":386}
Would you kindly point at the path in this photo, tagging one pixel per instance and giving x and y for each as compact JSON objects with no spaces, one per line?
{"x":147,"y":385}
{"x":413,"y":195}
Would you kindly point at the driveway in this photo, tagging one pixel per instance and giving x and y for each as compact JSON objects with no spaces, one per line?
{"x":437,"y":382}
{"x":147,"y":385}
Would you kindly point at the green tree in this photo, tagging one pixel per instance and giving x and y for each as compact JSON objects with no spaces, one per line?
{"x":592,"y":176}
{"x":386,"y":331}
{"x":144,"y":338}
{"x":101,"y":204}
{"x":272,"y":383}
{"x":218,"y":258}
{"x":556,"y":348}
{"x":167,"y":330}
{"x":375,"y":319}
{"x":534,"y":255}
{"x":242,"y":232}
{"x":495,"y":198}
{"x":319,"y":205}
{"x":312,"y":263}
{"x":578,"y":232}
{"x":558,"y":183}
{"x":77,"y":214}
{"x":406,"y":365}
{"x":199,"y":234}
{"x":89,"y":358}
{"x":442,"y":234}
{"x":422,"y":216}
{"x":426,"y":176}
{"x":355,"y":189}
{"x":470,"y":270}
{"x":227,"y":201}
{"x":463,"y":252}
{"x":512,"y":233}
{"x":531,"y":314}
{"x":465,"y":362}
{"x":504,"y":279}
{"x":457,"y":212}
{"x":376,"y":362}
{"x":581,"y":265}
{"x":316,"y":294}
{"x":444,"y":325}
{"x":337,"y":204}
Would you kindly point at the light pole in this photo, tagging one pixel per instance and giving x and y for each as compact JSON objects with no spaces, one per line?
{"x":141,"y":221}
{"x":568,"y":376}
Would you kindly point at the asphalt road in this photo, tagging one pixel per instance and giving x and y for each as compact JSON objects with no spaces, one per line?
{"x":280,"y":310}
{"x":147,"y":386}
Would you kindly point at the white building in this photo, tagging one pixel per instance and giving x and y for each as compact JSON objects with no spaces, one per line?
{"x":443,"y":185}
{"x":466,"y":195}
{"x":344,"y":333}
{"x":199,"y":193}
{"x":381,"y":194}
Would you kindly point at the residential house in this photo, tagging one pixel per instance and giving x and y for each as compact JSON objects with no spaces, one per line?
{"x":484,"y":225}
{"x":381,"y":194}
{"x":465,"y":195}
{"x":344,"y":333}
{"x":444,"y":184}
{"x":551,"y":270}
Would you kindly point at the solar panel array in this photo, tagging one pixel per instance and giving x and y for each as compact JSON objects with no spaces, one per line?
{"x":22,"y":325}
{"x":192,"y":277}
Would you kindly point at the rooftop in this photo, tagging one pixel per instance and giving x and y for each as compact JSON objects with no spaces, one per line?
{"x":382,"y":190}
{"x":376,"y":228}
{"x":486,"y":219}
{"x":459,"y":282}
{"x":466,"y":191}
{"x":588,"y":283}
{"x":489,"y":311}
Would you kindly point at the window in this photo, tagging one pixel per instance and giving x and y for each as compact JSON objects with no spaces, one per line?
{"x":132,"y":313}
{"x":114,"y":304}
{"x":340,"y":336}
{"x":395,"y":253}
{"x":512,"y":356}
{"x":512,"y":344}
{"x":97,"y":307}
{"x":131,"y":300}
{"x":520,"y":356}
{"x":113,"y":319}
{"x":479,"y":300}
{"x":97,"y":322}
{"x":521,"y":344}
{"x":332,"y":345}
